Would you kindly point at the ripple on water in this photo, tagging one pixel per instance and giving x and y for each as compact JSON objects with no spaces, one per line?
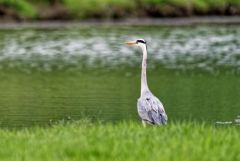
{"x":235,"y":121}
{"x":181,"y":47}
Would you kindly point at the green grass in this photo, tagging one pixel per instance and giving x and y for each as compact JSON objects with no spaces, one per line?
{"x":83,"y":9}
{"x":100,"y":8}
{"x":155,"y":8}
{"x":123,"y":141}
{"x":22,"y":7}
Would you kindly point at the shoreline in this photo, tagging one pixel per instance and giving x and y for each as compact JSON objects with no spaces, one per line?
{"x":183,"y":21}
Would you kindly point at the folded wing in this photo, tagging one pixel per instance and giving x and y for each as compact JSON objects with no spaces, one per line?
{"x":150,"y":109}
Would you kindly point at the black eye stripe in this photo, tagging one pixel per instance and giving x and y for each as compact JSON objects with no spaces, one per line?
{"x":141,"y":41}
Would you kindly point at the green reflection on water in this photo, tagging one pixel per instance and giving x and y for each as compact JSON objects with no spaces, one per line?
{"x":73,"y":73}
{"x":37,"y":98}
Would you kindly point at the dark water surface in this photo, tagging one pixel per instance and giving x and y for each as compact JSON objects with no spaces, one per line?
{"x":49,"y":75}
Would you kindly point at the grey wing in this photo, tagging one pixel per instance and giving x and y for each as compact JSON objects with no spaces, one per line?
{"x":151,"y":109}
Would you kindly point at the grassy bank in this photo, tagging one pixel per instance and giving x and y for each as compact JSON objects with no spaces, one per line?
{"x":113,"y":9}
{"x":122,"y":141}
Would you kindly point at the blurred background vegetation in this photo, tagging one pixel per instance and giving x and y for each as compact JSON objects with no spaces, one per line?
{"x":113,"y":9}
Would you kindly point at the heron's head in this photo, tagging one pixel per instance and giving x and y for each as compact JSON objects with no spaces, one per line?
{"x":139,"y":42}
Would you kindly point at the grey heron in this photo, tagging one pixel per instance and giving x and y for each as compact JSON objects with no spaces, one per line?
{"x":150,"y":108}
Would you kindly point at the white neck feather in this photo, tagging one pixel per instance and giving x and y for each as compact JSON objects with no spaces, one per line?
{"x":144,"y":85}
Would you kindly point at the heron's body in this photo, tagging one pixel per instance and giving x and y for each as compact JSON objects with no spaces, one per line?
{"x":150,"y":109}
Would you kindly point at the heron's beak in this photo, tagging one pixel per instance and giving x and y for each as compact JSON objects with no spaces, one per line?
{"x":131,"y":43}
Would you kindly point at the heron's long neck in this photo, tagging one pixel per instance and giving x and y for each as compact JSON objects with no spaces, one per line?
{"x":144,"y":85}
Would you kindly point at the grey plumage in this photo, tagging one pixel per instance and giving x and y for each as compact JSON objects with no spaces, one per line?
{"x":151,"y":110}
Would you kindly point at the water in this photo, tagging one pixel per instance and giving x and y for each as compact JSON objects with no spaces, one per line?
{"x":49,"y":75}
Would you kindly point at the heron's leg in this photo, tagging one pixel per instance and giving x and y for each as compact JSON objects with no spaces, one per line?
{"x":144,"y":123}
